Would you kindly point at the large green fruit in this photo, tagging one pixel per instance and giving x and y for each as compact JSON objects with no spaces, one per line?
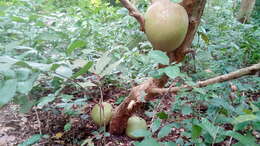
{"x":99,"y":117}
{"x":135,"y":123}
{"x":166,"y":25}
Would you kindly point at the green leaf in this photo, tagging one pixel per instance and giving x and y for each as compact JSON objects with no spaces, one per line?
{"x":156,"y":73}
{"x":169,"y":144}
{"x":247,"y":111}
{"x":162,"y":115}
{"x":101,"y":64}
{"x":67,"y":127}
{"x":54,"y":67}
{"x":256,"y":125}
{"x":155,"y":125}
{"x":111,"y":67}
{"x":22,"y":64}
{"x":39,"y":66}
{"x":87,"y":84}
{"x":119,"y":100}
{"x":159,"y":57}
{"x":141,"y":133}
{"x":186,"y":110}
{"x":74,"y":45}
{"x":25,"y":103}
{"x":63,"y":72}
{"x":78,"y":63}
{"x":2,"y":13}
{"x":66,"y":97}
{"x":204,"y":37}
{"x":180,"y":141}
{"x":87,"y":142}
{"x":83,"y":70}
{"x":176,"y":1}
{"x":199,"y":90}
{"x":49,"y":36}
{"x":18,"y":19}
{"x":244,"y":118}
{"x":209,"y":139}
{"x":7,"y":74}
{"x":253,"y":107}
{"x":7,"y":91}
{"x":45,"y":100}
{"x":22,"y":74}
{"x":148,"y":142}
{"x":172,"y":71}
{"x":196,"y":131}
{"x":165,"y":131}
{"x":247,"y":141}
{"x":7,"y":60}
{"x":220,"y":102}
{"x":209,"y":127}
{"x":241,"y":126}
{"x":107,"y":134}
{"x":32,"y":140}
{"x":25,"y":86}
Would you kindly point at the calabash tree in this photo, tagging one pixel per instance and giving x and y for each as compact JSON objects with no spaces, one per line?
{"x":176,"y":52}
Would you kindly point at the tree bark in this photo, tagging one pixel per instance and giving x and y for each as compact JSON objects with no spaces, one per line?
{"x":120,"y":116}
{"x":246,"y":8}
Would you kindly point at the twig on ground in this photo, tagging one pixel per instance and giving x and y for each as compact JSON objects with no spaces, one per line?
{"x":38,"y":120}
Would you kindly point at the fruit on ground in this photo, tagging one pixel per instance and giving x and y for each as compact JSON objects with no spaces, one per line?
{"x":101,"y":116}
{"x":166,"y":25}
{"x":135,"y":123}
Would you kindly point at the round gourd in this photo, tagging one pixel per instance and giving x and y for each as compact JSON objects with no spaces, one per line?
{"x":135,"y":123}
{"x":99,"y":117}
{"x":166,"y":25}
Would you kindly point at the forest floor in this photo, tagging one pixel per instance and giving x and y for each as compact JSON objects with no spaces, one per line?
{"x":16,"y":127}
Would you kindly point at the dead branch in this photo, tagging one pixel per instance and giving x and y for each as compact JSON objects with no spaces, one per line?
{"x":134,"y":12}
{"x":119,"y":119}
{"x":233,"y":75}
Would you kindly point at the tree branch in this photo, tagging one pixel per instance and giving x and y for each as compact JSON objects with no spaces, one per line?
{"x":233,"y":75}
{"x":133,"y":11}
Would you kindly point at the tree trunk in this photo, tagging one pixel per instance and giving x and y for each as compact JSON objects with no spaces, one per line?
{"x":119,"y":119}
{"x":246,"y":8}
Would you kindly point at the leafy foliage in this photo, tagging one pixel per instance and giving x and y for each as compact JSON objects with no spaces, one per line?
{"x":46,"y":46}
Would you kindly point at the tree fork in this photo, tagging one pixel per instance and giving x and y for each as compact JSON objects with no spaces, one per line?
{"x":120,"y":116}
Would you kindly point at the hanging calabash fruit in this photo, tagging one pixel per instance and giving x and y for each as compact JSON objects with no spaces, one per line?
{"x":166,"y":25}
